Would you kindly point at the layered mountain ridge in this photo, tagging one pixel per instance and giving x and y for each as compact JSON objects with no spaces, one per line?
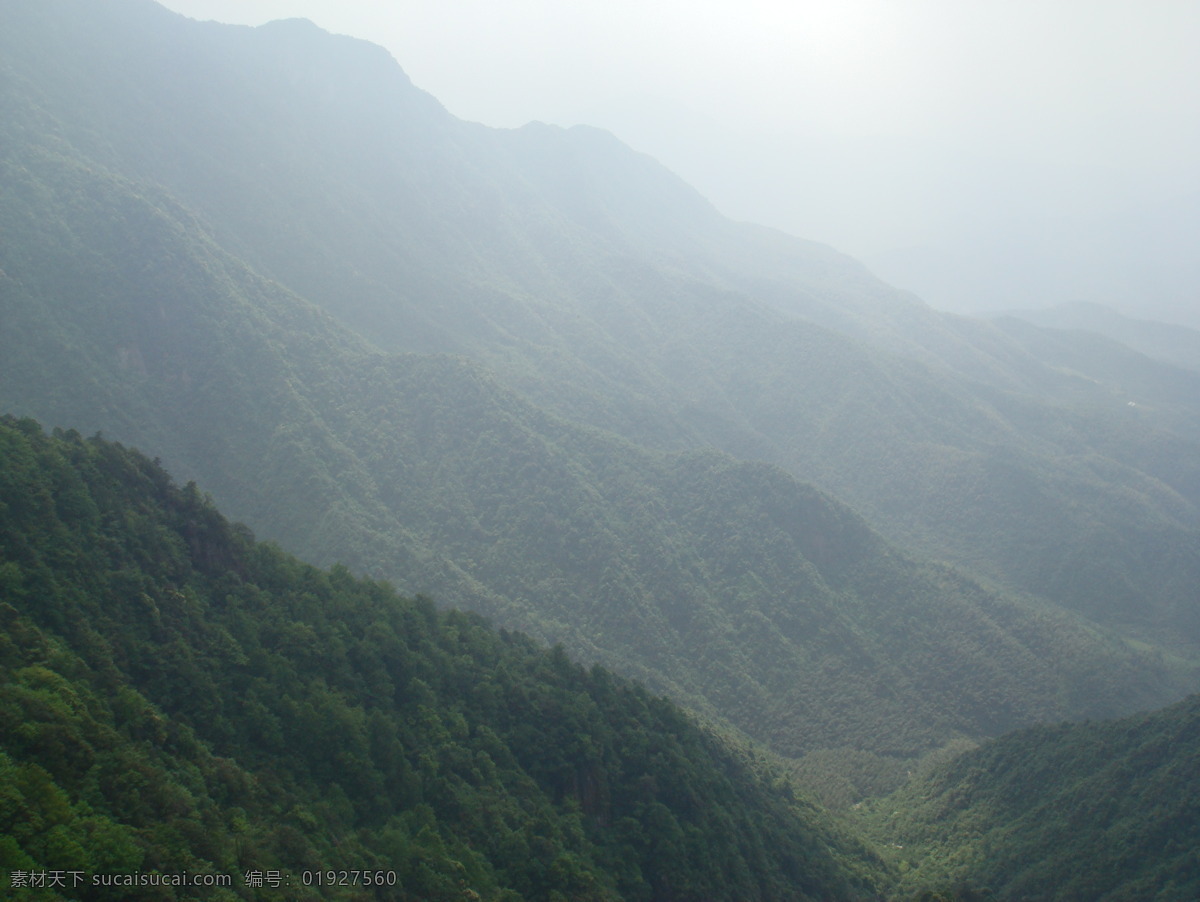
{"x":591,"y":280}
{"x":532,"y":374}
{"x":686,"y":569}
{"x":238,"y":247}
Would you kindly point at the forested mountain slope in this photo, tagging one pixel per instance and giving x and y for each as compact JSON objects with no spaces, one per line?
{"x":1105,"y":811}
{"x":532,"y":374}
{"x":598,"y":285}
{"x":745,"y":594}
{"x":739,"y":590}
{"x":177,"y":698}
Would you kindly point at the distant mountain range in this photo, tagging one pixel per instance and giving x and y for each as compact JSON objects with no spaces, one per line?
{"x":1166,"y":342}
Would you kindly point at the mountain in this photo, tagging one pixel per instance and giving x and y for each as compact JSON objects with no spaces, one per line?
{"x":178,"y":698}
{"x":531,"y":374}
{"x":487,"y":365}
{"x":596,"y":284}
{"x":1075,"y":811}
{"x":1167,"y":342}
{"x":749,"y":596}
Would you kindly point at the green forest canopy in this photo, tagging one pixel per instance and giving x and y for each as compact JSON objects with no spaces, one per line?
{"x":176,"y":697}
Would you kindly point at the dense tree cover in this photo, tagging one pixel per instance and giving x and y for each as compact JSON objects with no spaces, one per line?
{"x":743,"y":593}
{"x":731,"y":586}
{"x":1102,"y":810}
{"x":176,"y":697}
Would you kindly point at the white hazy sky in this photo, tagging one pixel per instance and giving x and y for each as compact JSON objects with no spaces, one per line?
{"x":876,"y":126}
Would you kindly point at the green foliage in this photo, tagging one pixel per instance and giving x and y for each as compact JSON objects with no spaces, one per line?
{"x":173,"y":197}
{"x":729,"y":585}
{"x":1102,"y":810}
{"x":177,"y":698}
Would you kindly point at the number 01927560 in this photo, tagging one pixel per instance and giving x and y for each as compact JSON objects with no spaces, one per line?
{"x":348,"y":878}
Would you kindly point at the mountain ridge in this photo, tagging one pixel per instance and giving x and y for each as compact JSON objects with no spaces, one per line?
{"x":425,"y":469}
{"x":221,"y":366}
{"x":531,"y":374}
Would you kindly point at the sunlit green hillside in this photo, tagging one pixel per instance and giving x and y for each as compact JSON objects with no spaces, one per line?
{"x":1074,"y":811}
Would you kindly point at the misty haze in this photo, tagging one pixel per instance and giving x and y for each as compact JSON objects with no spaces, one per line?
{"x":1020,"y":156}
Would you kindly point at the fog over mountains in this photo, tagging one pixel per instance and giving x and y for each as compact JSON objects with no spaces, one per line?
{"x":983,"y":157}
{"x":533,"y":374}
